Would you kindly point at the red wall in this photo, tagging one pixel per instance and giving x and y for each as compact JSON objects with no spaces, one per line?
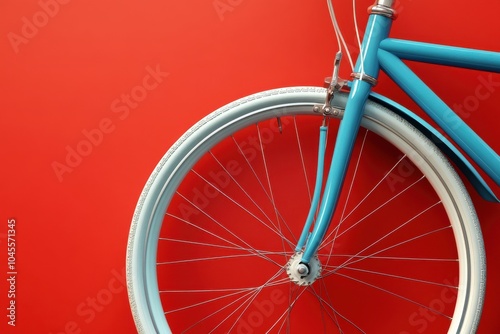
{"x":66,"y":68}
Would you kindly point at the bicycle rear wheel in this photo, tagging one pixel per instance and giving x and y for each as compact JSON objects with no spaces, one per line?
{"x":219,"y":218}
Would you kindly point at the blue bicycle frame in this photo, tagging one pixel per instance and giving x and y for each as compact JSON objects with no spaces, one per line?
{"x":380,"y":52}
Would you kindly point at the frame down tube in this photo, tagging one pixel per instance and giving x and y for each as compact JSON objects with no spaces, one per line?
{"x":377,"y":30}
{"x":443,"y":115}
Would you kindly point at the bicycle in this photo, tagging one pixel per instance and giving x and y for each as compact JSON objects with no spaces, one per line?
{"x":223,"y":241}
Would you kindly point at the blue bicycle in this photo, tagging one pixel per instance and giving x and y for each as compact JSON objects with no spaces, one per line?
{"x":312,"y":210}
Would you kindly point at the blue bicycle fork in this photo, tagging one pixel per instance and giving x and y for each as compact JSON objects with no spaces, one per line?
{"x":364,"y":76}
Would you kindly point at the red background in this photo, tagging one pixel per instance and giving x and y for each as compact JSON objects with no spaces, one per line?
{"x":61,"y":78}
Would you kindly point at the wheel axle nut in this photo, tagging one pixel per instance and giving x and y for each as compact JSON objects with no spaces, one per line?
{"x":302,"y":269}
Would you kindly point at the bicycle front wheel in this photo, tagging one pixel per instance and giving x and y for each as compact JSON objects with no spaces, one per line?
{"x":220,"y":216}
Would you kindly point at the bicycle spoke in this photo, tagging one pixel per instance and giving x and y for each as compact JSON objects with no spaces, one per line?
{"x":392,"y":231}
{"x":246,"y":194}
{"x":358,"y":160}
{"x":370,"y":192}
{"x":302,"y":159}
{"x":213,"y":258}
{"x":337,"y":313}
{"x":394,"y":294}
{"x":325,"y":243}
{"x":397,"y":257}
{"x":276,"y":229}
{"x":242,"y":303}
{"x":337,"y":228}
{"x":358,"y":258}
{"x":257,"y":291}
{"x":286,"y":314}
{"x":400,"y":277}
{"x":205,"y":244}
{"x":328,"y":303}
{"x":266,"y":169}
{"x":249,"y":247}
{"x":261,"y":184}
{"x":208,"y":301}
